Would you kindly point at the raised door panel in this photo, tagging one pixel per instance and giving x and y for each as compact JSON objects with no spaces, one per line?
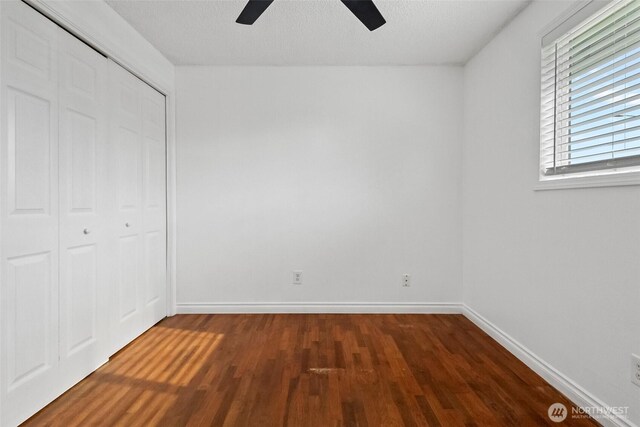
{"x":81,"y":298}
{"x":155,"y":277}
{"x":154,"y":184}
{"x":29,"y":250}
{"x":128,"y":165}
{"x":31,"y":341}
{"x":81,"y":167}
{"x":128,"y":251}
{"x":29,"y":153}
{"x":30,"y":50}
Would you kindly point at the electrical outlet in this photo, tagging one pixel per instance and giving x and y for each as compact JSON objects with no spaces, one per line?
{"x":406,"y":280}
{"x":297,"y":277}
{"x":635,"y":369}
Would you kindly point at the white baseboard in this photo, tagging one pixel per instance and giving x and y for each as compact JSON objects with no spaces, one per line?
{"x":565,"y":385}
{"x":305,"y":307}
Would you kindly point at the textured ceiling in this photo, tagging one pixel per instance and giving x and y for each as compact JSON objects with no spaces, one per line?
{"x":317,"y":32}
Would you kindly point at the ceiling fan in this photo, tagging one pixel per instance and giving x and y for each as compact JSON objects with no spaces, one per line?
{"x":364,"y":10}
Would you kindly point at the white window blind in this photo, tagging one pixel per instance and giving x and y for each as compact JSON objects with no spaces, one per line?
{"x":590,"y":113}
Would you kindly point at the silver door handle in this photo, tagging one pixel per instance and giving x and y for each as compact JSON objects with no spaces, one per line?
{"x":86,"y":231}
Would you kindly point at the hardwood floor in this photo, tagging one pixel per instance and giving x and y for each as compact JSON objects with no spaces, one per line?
{"x":310,"y":370}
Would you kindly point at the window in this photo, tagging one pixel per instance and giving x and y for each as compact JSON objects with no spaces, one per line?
{"x":590,"y":114}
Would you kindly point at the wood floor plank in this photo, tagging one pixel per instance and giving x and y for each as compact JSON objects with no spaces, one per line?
{"x":310,"y":370}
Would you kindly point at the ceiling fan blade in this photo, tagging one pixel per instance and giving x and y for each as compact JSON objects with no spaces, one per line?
{"x":252,"y":11}
{"x":366,"y":12}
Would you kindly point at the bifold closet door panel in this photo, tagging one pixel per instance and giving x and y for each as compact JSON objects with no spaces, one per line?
{"x":29,"y":212}
{"x":154,"y":205}
{"x":85,"y":255}
{"x":126,"y":165}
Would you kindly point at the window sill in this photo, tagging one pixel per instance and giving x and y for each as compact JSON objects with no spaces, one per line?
{"x":593,"y":181}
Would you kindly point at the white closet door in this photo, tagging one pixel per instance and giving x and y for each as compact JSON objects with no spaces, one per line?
{"x":84,"y":234}
{"x":82,"y":210}
{"x":137,"y":144}
{"x":29,"y":212}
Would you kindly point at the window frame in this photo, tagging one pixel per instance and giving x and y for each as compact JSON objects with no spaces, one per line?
{"x":610,"y":172}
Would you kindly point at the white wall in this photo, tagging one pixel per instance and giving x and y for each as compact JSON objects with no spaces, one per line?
{"x":557,"y":270}
{"x":351,"y":174}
